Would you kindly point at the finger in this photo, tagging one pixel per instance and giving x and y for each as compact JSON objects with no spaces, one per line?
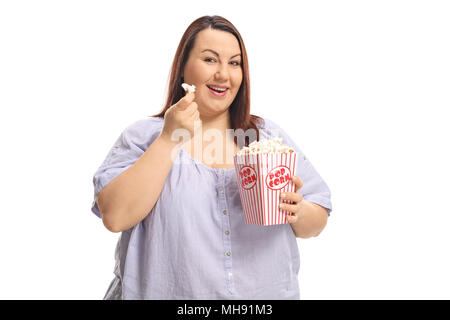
{"x":292,"y":196}
{"x":298,"y":182}
{"x":292,"y":218}
{"x":289,"y":207}
{"x":190,"y":110}
{"x":196,"y":116}
{"x":184,"y":102}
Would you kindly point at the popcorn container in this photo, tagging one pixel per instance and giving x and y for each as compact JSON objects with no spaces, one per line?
{"x":262,"y":177}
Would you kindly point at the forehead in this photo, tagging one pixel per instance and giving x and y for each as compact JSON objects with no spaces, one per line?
{"x":220,"y":41}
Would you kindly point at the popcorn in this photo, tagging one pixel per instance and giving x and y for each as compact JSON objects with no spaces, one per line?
{"x":188,"y":88}
{"x":266,"y":146}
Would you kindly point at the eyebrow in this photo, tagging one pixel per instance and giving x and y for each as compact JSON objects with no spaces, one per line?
{"x":218,"y":54}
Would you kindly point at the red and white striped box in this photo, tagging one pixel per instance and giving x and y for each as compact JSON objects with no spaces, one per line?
{"x":262,"y":178}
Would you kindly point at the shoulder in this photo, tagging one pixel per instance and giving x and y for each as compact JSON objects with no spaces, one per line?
{"x":270,"y":129}
{"x":144,"y":130}
{"x":266,"y":123}
{"x":145,"y":126}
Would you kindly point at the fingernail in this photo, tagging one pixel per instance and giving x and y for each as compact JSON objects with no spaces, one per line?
{"x":283,"y":195}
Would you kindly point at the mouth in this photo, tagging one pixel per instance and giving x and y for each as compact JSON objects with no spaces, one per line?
{"x":217,"y":91}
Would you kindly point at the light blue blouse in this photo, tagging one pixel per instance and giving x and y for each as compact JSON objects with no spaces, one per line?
{"x":195,"y":244}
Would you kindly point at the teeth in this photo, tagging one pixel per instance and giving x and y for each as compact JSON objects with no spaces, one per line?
{"x":218,"y":89}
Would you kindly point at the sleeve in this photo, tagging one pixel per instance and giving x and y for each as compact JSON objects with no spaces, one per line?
{"x":128,"y":148}
{"x":314,"y":187}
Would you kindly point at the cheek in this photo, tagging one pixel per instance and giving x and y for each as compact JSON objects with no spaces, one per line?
{"x":199,"y":72}
{"x":237,"y":79}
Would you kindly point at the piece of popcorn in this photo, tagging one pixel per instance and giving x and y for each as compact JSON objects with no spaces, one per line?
{"x":188,"y":88}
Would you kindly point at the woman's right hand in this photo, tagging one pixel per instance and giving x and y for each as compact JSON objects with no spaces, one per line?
{"x":181,"y":115}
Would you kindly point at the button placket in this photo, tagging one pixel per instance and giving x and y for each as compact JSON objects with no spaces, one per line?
{"x":226,"y":233}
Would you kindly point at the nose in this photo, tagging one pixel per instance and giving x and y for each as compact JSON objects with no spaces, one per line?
{"x":221,"y":72}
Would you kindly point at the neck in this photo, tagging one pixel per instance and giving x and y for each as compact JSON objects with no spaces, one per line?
{"x":223,"y":147}
{"x":221,"y":122}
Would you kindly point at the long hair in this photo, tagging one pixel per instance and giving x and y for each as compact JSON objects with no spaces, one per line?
{"x":240,"y":107}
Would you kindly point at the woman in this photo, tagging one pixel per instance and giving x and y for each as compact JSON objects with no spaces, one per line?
{"x":182,"y":223}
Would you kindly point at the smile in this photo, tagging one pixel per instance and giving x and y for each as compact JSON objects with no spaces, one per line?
{"x":218,"y":92}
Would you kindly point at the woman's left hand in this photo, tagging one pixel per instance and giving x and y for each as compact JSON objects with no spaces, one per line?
{"x":296,"y":198}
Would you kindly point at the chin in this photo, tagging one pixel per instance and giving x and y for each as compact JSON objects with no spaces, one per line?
{"x":213,"y":109}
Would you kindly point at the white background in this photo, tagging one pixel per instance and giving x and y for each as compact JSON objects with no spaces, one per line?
{"x":361,"y":86}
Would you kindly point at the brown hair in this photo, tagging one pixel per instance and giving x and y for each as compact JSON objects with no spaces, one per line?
{"x":240,"y":107}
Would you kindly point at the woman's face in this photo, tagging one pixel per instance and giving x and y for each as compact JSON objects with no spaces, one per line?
{"x":214,"y":61}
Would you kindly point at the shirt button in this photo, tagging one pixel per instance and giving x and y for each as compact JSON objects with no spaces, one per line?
{"x":221,"y":191}
{"x":224,"y":211}
{"x":227,"y":232}
{"x":228,"y":253}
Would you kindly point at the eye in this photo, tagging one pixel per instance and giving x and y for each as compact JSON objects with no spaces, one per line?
{"x":209,"y":60}
{"x":235,"y":63}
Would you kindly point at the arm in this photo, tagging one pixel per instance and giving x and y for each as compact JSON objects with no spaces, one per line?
{"x":129,"y":197}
